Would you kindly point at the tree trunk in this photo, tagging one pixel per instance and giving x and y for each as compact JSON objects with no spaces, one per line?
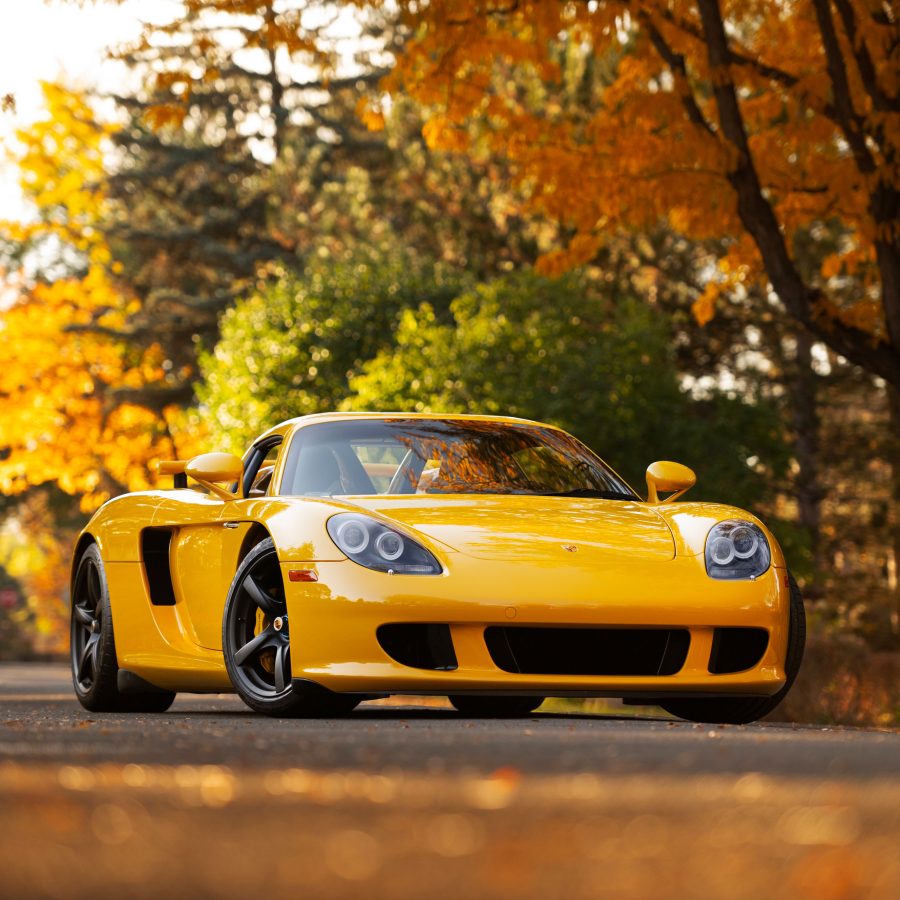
{"x":803,"y":400}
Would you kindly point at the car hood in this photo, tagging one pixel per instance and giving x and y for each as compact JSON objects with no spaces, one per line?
{"x":522,"y":528}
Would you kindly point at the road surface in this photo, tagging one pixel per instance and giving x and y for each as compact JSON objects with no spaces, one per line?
{"x":210,"y":800}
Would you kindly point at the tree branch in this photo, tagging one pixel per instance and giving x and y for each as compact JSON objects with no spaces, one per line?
{"x":736,"y":57}
{"x":676,"y":63}
{"x":154,"y":397}
{"x":840,"y":89}
{"x":864,"y":62}
{"x":884,"y":198}
{"x":759,"y":219}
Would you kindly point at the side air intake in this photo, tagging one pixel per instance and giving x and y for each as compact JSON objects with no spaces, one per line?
{"x":155,"y":543}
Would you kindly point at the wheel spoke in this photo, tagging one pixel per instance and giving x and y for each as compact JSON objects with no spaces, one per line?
{"x":282,"y":667}
{"x":252,"y":647}
{"x":266,"y":603}
{"x":83,"y":662}
{"x":95,"y":656}
{"x":87,"y":664}
{"x":83,"y":617}
{"x":93,"y":587}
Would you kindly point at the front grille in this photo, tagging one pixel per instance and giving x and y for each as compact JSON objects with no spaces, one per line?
{"x":419,"y":646}
{"x":737,"y":649}
{"x":532,"y":650}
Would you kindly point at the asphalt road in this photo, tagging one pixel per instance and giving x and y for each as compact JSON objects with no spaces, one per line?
{"x":210,"y":800}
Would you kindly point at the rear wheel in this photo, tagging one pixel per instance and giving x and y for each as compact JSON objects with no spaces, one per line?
{"x":257,"y":645}
{"x":748,"y":709}
{"x":494,"y":707}
{"x":94,"y":667}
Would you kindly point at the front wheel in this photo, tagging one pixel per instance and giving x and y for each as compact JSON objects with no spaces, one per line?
{"x":741,"y":711}
{"x":257,"y":645}
{"x":494,"y":707}
{"x":95,"y":668}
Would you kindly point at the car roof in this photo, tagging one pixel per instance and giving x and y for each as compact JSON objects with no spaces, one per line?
{"x":302,"y":421}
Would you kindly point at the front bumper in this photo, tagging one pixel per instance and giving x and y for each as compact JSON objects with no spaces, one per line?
{"x":334,"y":623}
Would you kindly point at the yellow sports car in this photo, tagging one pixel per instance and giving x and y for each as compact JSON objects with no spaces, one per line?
{"x":496,"y":561}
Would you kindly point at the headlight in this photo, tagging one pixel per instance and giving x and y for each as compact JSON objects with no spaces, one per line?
{"x":378,"y":547}
{"x":736,"y":550}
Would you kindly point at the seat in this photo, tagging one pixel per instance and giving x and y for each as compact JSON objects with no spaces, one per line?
{"x":261,"y":482}
{"x":318,"y":473}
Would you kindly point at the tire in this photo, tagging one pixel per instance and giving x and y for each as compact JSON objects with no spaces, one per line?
{"x":724,"y":710}
{"x":257,"y":648}
{"x":93,"y":646}
{"x":493,"y":706}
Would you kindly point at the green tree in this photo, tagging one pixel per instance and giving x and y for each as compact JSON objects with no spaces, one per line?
{"x":555,"y":350}
{"x":291,"y":348}
{"x":400,"y":335}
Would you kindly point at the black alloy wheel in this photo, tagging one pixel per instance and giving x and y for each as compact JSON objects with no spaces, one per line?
{"x":87,"y":625}
{"x":93,"y":647}
{"x":256,"y":643}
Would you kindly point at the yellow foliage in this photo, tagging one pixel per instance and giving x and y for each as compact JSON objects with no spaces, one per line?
{"x":37,"y":556}
{"x":62,"y":366}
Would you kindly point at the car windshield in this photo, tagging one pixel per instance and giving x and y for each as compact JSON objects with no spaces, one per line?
{"x":443,"y":456}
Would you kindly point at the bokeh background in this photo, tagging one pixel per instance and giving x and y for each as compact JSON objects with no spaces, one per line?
{"x":217,"y":214}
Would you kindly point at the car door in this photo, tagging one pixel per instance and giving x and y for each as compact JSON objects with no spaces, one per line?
{"x":233,"y":529}
{"x":187,"y":529}
{"x":199,"y":537}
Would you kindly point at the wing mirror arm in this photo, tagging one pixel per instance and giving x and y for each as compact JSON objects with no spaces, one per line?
{"x":174,"y":467}
{"x":210,"y":470}
{"x":670,"y":478}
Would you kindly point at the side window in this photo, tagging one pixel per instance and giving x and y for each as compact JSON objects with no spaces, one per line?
{"x":259,"y":467}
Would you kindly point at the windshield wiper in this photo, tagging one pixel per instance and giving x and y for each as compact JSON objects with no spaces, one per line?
{"x":593,"y":493}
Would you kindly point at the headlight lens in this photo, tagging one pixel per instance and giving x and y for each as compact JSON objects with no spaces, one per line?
{"x":736,"y":550}
{"x":378,"y":547}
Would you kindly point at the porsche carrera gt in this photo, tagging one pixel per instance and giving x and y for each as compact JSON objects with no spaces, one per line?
{"x":492,"y":560}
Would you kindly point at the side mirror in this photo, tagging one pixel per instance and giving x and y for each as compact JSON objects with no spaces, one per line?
{"x":209,"y":469}
{"x":668,"y":478}
{"x":215,"y":467}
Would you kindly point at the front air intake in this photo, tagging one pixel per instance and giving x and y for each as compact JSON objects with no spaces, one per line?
{"x":737,"y":649}
{"x":421,"y":646}
{"x":529,"y":650}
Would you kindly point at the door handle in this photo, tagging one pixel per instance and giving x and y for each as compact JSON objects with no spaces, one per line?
{"x":232,"y":524}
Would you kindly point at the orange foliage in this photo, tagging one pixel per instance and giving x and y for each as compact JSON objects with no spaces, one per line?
{"x":657,"y":141}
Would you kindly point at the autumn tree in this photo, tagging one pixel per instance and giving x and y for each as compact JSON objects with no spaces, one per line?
{"x":751,"y":120}
{"x":70,"y":388}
